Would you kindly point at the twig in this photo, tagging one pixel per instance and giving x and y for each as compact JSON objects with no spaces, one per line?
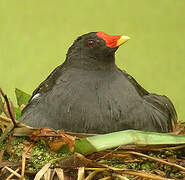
{"x":13,"y":172}
{"x":109,"y":153}
{"x":106,"y":178}
{"x":91,"y":175}
{"x":119,"y":176}
{"x":81,"y":172}
{"x":11,"y":175}
{"x":42,"y":171}
{"x":174,"y":147}
{"x":8,"y":106}
{"x":143,"y":175}
{"x":134,"y":173}
{"x":24,"y":159}
{"x":47,"y":175}
{"x":156,"y":159}
{"x":5,"y":119}
{"x":60,"y":173}
{"x":23,"y":164}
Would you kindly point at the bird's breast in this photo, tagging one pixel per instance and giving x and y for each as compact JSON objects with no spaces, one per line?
{"x":86,"y":97}
{"x":83,"y":101}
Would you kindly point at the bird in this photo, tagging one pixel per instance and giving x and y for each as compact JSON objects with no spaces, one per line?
{"x":89,"y":93}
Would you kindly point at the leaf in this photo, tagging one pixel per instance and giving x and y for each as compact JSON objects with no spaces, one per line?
{"x":68,"y":139}
{"x":17,"y":112}
{"x":22,"y":97}
{"x":44,"y":132}
{"x":78,"y":160}
{"x":58,"y":142}
{"x":65,"y":139}
{"x":107,"y":141}
{"x":61,"y":138}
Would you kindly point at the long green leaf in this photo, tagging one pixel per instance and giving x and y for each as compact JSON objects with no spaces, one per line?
{"x":112,"y":140}
{"x":107,"y":141}
{"x":22,"y":97}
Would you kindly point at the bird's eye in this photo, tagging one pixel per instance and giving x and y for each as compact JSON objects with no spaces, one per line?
{"x":91,"y":43}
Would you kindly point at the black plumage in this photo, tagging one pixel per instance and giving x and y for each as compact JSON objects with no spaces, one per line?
{"x":89,"y":93}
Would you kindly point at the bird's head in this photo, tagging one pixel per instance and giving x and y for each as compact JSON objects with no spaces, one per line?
{"x":97,"y":46}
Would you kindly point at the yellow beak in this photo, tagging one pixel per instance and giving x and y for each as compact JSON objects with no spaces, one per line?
{"x":122,"y":40}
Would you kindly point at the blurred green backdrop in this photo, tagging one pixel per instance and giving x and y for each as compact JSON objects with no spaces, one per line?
{"x":35,"y":36}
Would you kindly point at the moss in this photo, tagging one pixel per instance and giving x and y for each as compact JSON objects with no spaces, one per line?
{"x":147,"y":165}
{"x":169,"y":153}
{"x":3,"y":144}
{"x":15,"y":148}
{"x":119,"y":163}
{"x":63,"y":152}
{"x":41,"y":154}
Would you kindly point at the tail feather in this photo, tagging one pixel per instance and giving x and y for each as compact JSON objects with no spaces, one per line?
{"x":163,"y":112}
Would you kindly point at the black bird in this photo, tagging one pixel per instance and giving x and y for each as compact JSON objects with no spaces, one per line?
{"x":89,"y":93}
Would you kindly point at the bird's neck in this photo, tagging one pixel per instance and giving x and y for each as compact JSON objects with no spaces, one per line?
{"x":92,"y":63}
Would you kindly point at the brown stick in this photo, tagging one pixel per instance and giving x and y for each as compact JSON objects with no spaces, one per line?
{"x":156,"y":159}
{"x":144,"y":175}
{"x":11,"y":175}
{"x":8,"y":106}
{"x":12,"y":171}
{"x":23,"y":165}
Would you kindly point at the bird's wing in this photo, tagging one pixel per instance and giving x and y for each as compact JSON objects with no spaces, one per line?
{"x":163,"y":109}
{"x":159,"y":108}
{"x":49,"y":82}
{"x":142,"y":92}
{"x":37,"y":107}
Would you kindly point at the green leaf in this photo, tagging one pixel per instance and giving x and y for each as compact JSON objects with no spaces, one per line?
{"x":17,"y":113}
{"x":102,"y":142}
{"x":22,"y":97}
{"x":107,"y":141}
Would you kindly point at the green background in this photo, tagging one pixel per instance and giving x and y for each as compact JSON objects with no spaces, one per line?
{"x":35,"y":36}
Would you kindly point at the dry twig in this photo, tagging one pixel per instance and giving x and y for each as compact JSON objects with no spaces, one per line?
{"x":156,"y":159}
{"x":12,"y":171}
{"x":81,"y":172}
{"x":143,"y":175}
{"x":8,"y":107}
{"x":42,"y":171}
{"x":11,"y":175}
{"x":60,"y":173}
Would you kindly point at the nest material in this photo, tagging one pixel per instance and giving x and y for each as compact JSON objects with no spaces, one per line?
{"x":25,"y":158}
{"x":47,"y":154}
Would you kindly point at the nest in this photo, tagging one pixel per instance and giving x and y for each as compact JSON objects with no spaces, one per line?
{"x":28,"y":153}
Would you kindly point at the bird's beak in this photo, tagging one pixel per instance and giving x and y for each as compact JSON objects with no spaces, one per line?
{"x":112,"y":41}
{"x":122,"y":40}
